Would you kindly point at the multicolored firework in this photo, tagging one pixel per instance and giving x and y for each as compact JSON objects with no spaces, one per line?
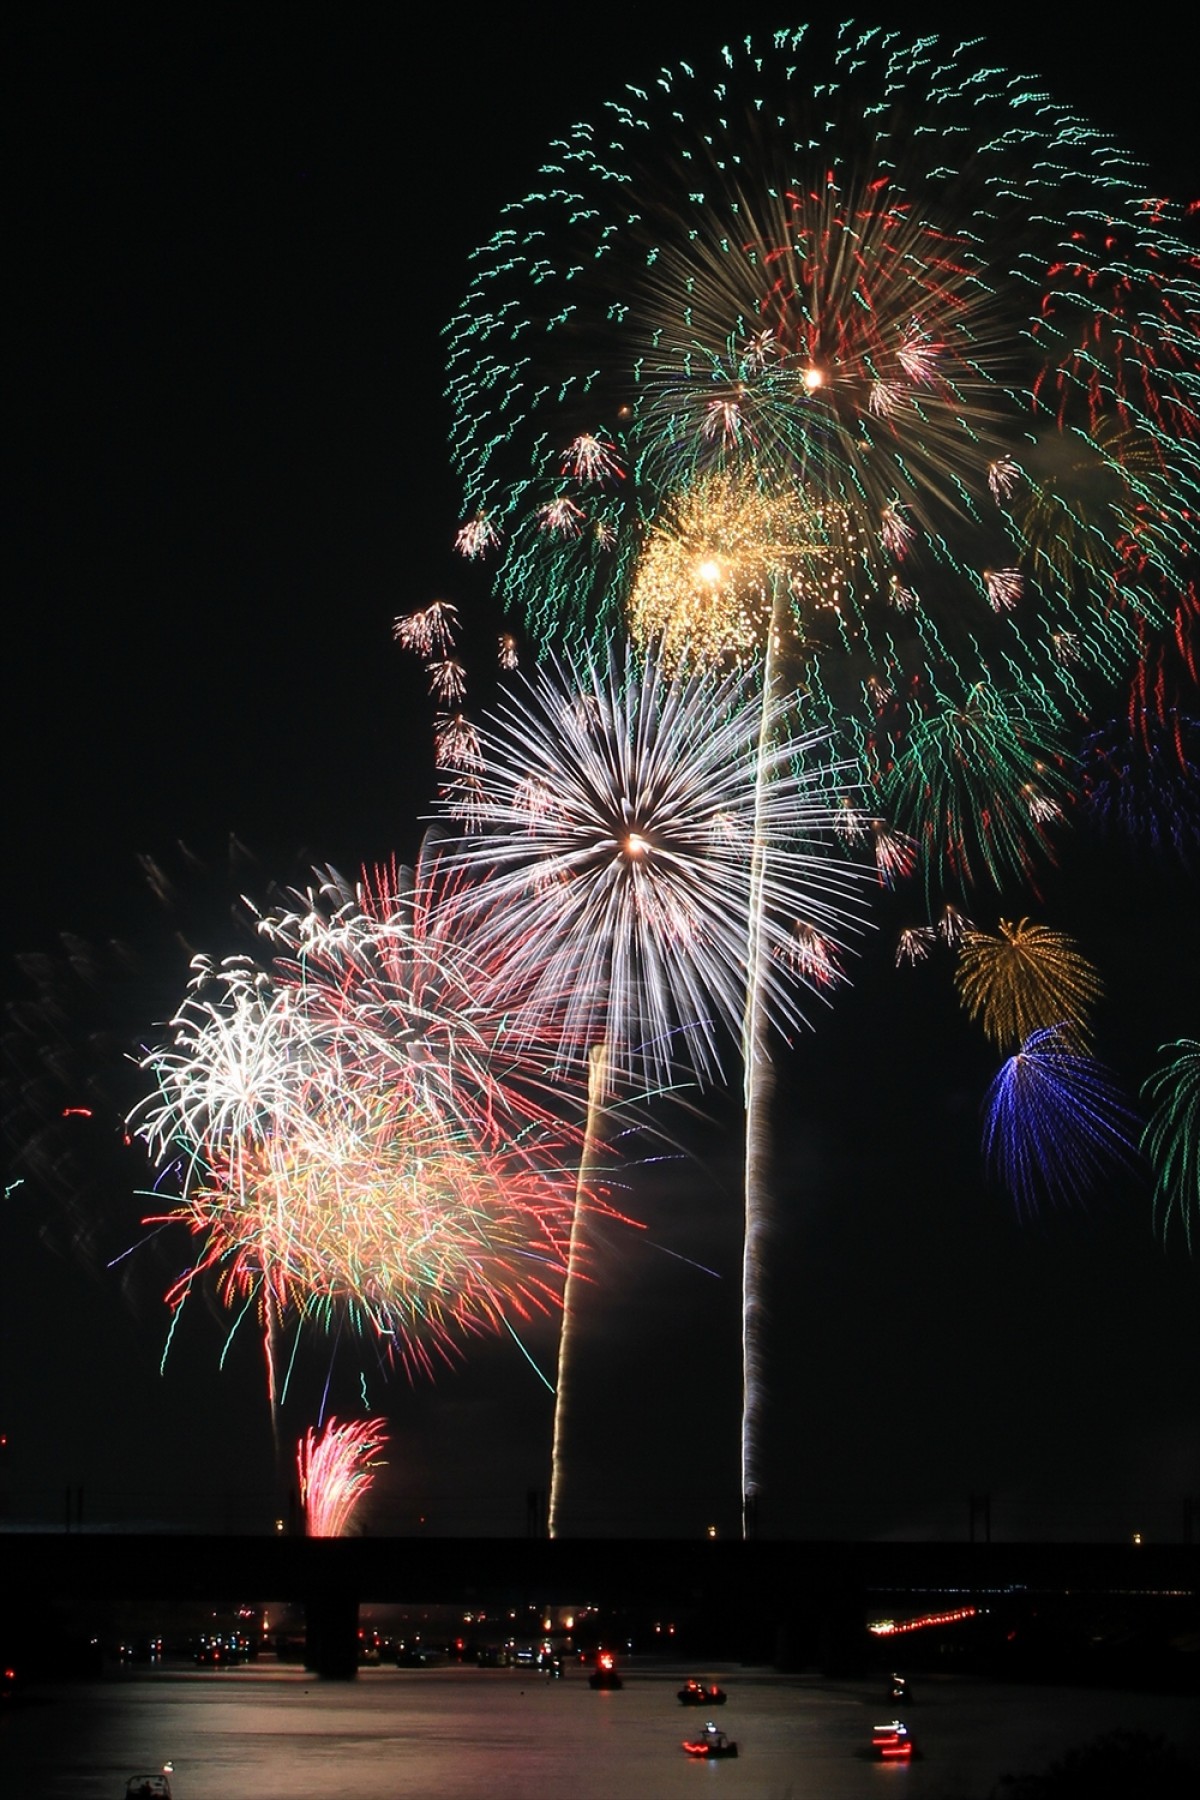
{"x":343,"y":1144}
{"x":1024,"y":980}
{"x":623,"y":829}
{"x":909,"y":339}
{"x":382,"y":1216}
{"x":336,"y":1471}
{"x":384,"y":973}
{"x":1171,"y":1140}
{"x":1057,"y":1127}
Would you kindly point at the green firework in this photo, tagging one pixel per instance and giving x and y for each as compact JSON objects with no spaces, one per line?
{"x":892,"y":288}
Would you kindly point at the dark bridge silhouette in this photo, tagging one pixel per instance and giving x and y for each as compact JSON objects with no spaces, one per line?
{"x":817,"y":1595}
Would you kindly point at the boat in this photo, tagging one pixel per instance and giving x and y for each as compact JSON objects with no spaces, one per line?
{"x":711,"y":1743}
{"x":892,"y":1742}
{"x":605,"y":1675}
{"x":148,"y":1787}
{"x":695,"y":1693}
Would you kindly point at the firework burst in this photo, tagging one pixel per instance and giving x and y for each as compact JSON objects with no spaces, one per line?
{"x":617,"y":850}
{"x":381,"y":1217}
{"x":336,"y":1470}
{"x":347,"y":1142}
{"x":959,"y":433}
{"x":1056,"y":1128}
{"x":980,"y":786}
{"x":1171,"y":1140}
{"x":1025,"y":979}
{"x":665,"y":851}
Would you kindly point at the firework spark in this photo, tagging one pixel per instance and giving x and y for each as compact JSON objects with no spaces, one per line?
{"x":1171,"y":1140}
{"x":1027,"y":978}
{"x":786,"y":309}
{"x":617,"y":841}
{"x":429,"y":632}
{"x":1056,"y":1127}
{"x":336,"y":1470}
{"x":350,"y":1142}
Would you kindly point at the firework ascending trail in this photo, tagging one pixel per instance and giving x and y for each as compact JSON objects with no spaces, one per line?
{"x":336,"y":1472}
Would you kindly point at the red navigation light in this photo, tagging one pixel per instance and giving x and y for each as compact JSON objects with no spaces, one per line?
{"x":891,"y":1742}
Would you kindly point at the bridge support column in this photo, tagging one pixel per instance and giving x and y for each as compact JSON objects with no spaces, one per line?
{"x":331,"y":1636}
{"x":842,"y":1628}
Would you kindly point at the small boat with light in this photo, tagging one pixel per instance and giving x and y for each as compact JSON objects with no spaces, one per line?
{"x":710,"y":1744}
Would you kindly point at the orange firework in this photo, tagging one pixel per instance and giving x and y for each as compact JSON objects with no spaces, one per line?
{"x":1025,"y":980}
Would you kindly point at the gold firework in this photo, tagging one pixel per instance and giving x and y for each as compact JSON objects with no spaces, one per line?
{"x":1024,"y":980}
{"x":705,"y":584}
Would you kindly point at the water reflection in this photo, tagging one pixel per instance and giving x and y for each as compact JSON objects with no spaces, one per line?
{"x":267,"y":1732}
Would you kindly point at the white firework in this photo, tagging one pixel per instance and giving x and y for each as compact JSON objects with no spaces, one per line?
{"x":561,"y":516}
{"x":1004,"y":588}
{"x":430,"y":631}
{"x":618,"y":855}
{"x":476,"y":537}
{"x":1003,"y":475}
{"x":238,"y":1060}
{"x":591,"y":458}
{"x":914,"y":944}
{"x":447,"y":680}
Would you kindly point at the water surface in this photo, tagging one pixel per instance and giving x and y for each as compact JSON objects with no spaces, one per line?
{"x":266,"y":1732}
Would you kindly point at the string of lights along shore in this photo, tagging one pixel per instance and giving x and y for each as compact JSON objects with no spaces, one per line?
{"x":827,"y":421}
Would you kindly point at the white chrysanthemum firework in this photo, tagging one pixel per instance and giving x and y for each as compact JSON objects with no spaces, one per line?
{"x":631,"y":846}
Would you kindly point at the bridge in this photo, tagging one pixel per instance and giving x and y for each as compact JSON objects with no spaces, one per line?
{"x":817,"y":1594}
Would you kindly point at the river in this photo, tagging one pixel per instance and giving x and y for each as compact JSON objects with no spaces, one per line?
{"x":269,"y":1732}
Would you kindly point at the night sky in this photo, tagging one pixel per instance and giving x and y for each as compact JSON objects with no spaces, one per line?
{"x":238,"y":245}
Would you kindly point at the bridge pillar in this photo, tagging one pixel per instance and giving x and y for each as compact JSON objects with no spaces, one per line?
{"x":331,"y":1636}
{"x":842,"y":1629}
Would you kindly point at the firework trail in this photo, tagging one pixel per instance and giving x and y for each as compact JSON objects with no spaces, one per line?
{"x":1025,"y":979}
{"x":336,"y":1471}
{"x":1171,"y":1140}
{"x":1056,"y":1126}
{"x":913,"y":326}
{"x":597,"y":1083}
{"x":662,"y":845}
